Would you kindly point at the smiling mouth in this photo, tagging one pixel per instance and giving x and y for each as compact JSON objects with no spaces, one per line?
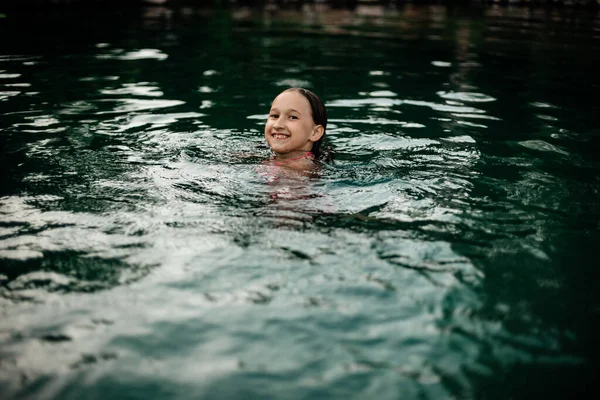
{"x":279,"y":136}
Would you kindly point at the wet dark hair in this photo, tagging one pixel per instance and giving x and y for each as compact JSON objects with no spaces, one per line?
{"x":319,"y":115}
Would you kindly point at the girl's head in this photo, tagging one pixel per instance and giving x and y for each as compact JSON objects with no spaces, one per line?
{"x":296,"y":123}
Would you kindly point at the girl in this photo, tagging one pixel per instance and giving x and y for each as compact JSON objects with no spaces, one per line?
{"x":295,"y":128}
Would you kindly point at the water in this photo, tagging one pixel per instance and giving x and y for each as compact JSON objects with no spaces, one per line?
{"x":450,"y":251}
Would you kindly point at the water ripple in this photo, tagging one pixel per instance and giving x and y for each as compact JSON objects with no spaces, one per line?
{"x":134,"y":89}
{"x":142,"y":54}
{"x":466,"y":96}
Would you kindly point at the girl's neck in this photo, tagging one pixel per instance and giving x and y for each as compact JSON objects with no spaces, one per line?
{"x":293,"y":155}
{"x":286,"y":158}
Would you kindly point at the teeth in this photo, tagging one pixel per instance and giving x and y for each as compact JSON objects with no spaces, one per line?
{"x":279,"y":136}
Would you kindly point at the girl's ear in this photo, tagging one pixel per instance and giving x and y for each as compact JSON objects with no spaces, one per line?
{"x":317,"y":133}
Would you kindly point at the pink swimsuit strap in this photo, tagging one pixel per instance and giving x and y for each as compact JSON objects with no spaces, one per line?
{"x":283,"y":162}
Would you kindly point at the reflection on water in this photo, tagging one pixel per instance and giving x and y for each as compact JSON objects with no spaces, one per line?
{"x":147,"y":245}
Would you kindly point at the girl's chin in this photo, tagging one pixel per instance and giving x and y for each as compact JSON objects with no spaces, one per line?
{"x":280,"y":149}
{"x":284,"y":150}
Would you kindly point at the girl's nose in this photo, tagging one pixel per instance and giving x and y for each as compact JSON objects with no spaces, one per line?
{"x":278,"y":123}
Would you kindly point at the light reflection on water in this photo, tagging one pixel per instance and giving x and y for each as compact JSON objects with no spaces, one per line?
{"x":146,"y":243}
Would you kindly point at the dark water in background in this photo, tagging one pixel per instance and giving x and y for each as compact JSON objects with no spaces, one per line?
{"x":449,"y":252}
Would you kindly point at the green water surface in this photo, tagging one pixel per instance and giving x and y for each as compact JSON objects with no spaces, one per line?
{"x":449,"y":252}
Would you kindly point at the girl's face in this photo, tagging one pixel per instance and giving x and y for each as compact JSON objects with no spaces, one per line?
{"x":290,"y":127}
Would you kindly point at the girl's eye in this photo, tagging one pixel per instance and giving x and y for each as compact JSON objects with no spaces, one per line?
{"x":293,"y":117}
{"x":273,"y":116}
